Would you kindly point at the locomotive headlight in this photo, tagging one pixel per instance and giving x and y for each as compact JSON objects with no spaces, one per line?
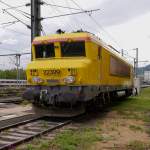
{"x":37,"y":80}
{"x":69,"y":79}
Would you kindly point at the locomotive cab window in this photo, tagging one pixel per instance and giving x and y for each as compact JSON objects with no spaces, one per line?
{"x":72,"y":49}
{"x":44,"y":51}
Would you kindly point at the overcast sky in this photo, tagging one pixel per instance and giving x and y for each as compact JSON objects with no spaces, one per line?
{"x":123,"y":23}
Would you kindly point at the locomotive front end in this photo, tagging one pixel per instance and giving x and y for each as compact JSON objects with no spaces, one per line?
{"x":58,"y":72}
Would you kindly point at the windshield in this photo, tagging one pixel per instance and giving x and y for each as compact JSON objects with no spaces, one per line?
{"x":44,"y":51}
{"x":72,"y":49}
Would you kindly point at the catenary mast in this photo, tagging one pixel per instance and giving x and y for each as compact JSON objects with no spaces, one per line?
{"x":35,"y":18}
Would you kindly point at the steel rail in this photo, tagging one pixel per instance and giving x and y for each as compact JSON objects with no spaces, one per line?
{"x":11,"y":99}
{"x":23,"y":131}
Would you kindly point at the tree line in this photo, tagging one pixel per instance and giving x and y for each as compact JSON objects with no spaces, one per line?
{"x":12,"y":74}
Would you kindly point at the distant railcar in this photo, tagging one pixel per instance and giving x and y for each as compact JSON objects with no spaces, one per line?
{"x":75,"y":68}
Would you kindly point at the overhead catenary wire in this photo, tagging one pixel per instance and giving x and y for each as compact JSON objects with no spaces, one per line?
{"x":4,"y":25}
{"x":72,"y":12}
{"x":62,"y":20}
{"x":74,"y":18}
{"x":28,"y":16}
{"x":28,"y":26}
{"x":59,"y":6}
{"x":57,"y":10}
{"x":14,"y":54}
{"x":129,"y":56}
{"x":14,"y":8}
{"x":10,"y":22}
{"x":100,"y":26}
{"x":97,"y":23}
{"x":69,"y":14}
{"x":82,"y":24}
{"x":8,"y":25}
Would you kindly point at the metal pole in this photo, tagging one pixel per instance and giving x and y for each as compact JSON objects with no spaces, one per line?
{"x":137,"y":61}
{"x":18,"y":65}
{"x":35,"y":18}
{"x":134,"y":67}
{"x":122,"y":52}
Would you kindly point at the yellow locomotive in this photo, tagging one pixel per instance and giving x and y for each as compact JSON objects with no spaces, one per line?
{"x":75,"y":68}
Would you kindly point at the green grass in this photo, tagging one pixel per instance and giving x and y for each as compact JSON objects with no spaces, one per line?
{"x":37,"y":144}
{"x":135,"y":107}
{"x":80,"y":139}
{"x":139,"y":103}
{"x":25,"y":102}
{"x":136,"y":128}
{"x":73,"y":140}
{"x":138,"y":145}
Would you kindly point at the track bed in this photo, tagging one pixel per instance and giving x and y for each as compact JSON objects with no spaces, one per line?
{"x":18,"y":133}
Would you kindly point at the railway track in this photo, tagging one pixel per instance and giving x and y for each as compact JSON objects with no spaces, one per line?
{"x":11,"y":100}
{"x":11,"y":91}
{"x":8,"y":94}
{"x":25,"y":130}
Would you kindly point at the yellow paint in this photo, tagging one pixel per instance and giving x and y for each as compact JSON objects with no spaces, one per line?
{"x":90,"y":70}
{"x":57,"y":50}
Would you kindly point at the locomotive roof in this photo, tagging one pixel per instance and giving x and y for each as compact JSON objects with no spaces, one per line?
{"x":76,"y":36}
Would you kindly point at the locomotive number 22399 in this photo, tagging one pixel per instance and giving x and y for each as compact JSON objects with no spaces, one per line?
{"x":51,"y":72}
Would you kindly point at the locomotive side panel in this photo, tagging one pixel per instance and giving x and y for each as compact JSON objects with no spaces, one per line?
{"x":115,"y":72}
